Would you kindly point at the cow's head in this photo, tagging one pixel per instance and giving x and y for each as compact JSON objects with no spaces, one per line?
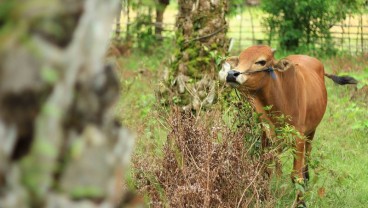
{"x":250,"y":69}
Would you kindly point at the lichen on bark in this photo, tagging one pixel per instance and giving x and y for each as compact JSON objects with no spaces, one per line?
{"x":201,"y":43}
{"x":60,"y":138}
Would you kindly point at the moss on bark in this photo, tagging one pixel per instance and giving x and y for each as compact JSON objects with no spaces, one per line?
{"x":201,"y":42}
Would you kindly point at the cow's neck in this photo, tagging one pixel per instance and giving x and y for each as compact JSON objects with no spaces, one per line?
{"x":276,"y":92}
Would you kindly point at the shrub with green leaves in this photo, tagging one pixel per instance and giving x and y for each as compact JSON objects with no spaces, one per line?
{"x":304,"y":23}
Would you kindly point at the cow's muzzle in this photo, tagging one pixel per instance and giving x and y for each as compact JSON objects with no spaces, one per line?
{"x":231,"y":76}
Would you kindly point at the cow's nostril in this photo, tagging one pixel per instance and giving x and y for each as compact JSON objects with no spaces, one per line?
{"x":232,"y":75}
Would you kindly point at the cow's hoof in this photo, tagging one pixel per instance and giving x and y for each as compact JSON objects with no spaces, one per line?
{"x":306,"y":174}
{"x":301,"y":204}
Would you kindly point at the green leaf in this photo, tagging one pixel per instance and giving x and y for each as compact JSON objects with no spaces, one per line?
{"x":299,"y":187}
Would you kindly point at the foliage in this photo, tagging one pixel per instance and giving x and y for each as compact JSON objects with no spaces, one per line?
{"x":235,"y":7}
{"x":302,"y":24}
{"x":143,"y":26}
{"x":139,"y":4}
{"x":143,"y":30}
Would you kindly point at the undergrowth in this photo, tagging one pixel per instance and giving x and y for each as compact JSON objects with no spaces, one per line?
{"x":206,"y":163}
{"x":215,"y":158}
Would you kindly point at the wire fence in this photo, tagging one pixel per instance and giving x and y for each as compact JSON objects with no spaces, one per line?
{"x":246,"y":29}
{"x":349,"y":35}
{"x":352,"y":34}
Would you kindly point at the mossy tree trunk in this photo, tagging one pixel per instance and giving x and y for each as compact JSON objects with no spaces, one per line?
{"x":60,"y":143}
{"x":201,"y":41}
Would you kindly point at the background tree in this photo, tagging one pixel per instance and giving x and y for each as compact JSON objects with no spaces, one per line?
{"x":201,"y":42}
{"x":59,"y":138}
{"x":145,"y":31}
{"x":160,"y":9}
{"x":142,"y":30}
{"x":301,"y":23}
{"x":118,"y":21}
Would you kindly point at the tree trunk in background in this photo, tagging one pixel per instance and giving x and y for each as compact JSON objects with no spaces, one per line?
{"x":127,"y":32}
{"x":60,"y":143}
{"x":118,"y":22}
{"x":201,"y":43}
{"x":160,"y":9}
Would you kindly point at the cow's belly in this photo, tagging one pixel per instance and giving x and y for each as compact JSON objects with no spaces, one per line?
{"x":312,"y":93}
{"x":315,"y":101}
{"x":314,"y":115}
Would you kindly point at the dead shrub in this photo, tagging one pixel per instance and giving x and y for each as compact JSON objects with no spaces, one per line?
{"x":210,"y":160}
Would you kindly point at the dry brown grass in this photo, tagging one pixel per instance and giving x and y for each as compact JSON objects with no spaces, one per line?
{"x":347,"y":63}
{"x":206,"y":163}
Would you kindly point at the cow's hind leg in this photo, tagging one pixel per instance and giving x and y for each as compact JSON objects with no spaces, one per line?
{"x":308,"y":149}
{"x":300,"y":174}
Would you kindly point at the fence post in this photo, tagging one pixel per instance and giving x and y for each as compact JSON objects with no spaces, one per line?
{"x":349,"y":23}
{"x":240,"y":27}
{"x":118,"y":25}
{"x":127,"y":35}
{"x":252,"y":25}
{"x":342,"y":34}
{"x":361,"y":32}
{"x":357,"y":39}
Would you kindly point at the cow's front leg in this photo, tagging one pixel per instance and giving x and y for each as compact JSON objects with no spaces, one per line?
{"x":297,"y":174}
{"x":299,"y":160}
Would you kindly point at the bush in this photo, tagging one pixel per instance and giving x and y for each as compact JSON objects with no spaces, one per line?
{"x":143,"y":26}
{"x":304,"y":23}
{"x":208,"y":163}
{"x":143,"y":30}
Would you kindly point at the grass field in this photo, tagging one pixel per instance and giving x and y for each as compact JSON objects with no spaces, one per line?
{"x":339,"y":158}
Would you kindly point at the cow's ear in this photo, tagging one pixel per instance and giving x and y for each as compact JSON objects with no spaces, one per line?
{"x":273,"y":51}
{"x":283,"y":65}
{"x":233,"y":61}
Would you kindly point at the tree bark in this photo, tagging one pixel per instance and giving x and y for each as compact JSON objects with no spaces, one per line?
{"x":160,"y":9}
{"x":118,"y":22}
{"x":60,"y":140}
{"x":201,"y":43}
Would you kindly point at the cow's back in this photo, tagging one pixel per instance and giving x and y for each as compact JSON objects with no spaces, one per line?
{"x":312,"y":90}
{"x":304,"y":62}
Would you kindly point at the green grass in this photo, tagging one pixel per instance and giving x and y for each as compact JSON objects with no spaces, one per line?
{"x":140,"y":76}
{"x":339,"y":163}
{"x":341,"y":145}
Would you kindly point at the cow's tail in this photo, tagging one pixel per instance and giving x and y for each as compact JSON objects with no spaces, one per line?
{"x":342,"y":80}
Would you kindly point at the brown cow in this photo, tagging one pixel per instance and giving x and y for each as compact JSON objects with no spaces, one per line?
{"x":293,"y":86}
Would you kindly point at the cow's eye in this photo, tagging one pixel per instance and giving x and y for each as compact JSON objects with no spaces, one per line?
{"x":262,"y":63}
